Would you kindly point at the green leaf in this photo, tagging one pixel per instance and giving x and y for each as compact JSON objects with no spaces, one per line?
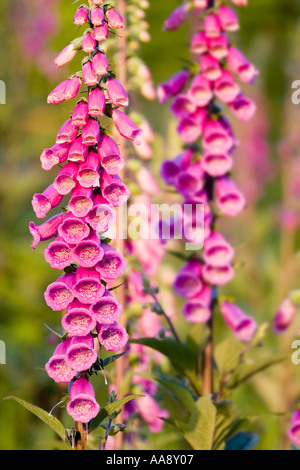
{"x":182,"y":394}
{"x":111,"y":359}
{"x":109,"y":409}
{"x":246,"y":371}
{"x":227,"y":356}
{"x":197,"y":338}
{"x":243,"y":440}
{"x":211,"y":424}
{"x":43,"y":415}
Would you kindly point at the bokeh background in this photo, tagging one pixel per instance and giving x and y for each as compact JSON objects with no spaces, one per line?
{"x":266,"y":235}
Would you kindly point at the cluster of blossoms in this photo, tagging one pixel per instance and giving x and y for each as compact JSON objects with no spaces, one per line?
{"x":201,"y":173}
{"x":90,"y":176}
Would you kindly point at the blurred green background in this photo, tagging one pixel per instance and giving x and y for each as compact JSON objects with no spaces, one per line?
{"x":32,"y":32}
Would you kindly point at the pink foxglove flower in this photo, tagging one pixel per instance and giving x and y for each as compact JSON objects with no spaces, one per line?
{"x":116,"y":92}
{"x":66,"y":181}
{"x":243,"y":327}
{"x":113,"y":337}
{"x":81,"y":353}
{"x":294,"y":429}
{"x":284,"y":316}
{"x":109,"y":154}
{"x":88,"y":252}
{"x":197,"y":309}
{"x":100,"y":64}
{"x":115,"y":20}
{"x":78,"y":321}
{"x":114,"y":190}
{"x":102,"y":217}
{"x":54,"y":156}
{"x":80,"y":115}
{"x":101,"y":32}
{"x":82,"y":405}
{"x":65,"y":56}
{"x":96,"y":102}
{"x":188,"y":282}
{"x":57,"y":367}
{"x":107,"y":310}
{"x":43,"y":203}
{"x":81,"y":16}
{"x":73,"y":230}
{"x":47,"y":230}
{"x":59,"y":254}
{"x":88,"y":288}
{"x":97,"y":16}
{"x":60,"y":294}
{"x":81,"y":201}
{"x":125,"y":126}
{"x":67,"y":133}
{"x":112,"y":264}
{"x":88,"y":171}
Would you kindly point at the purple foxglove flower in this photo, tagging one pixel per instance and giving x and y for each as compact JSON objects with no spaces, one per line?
{"x":243,"y":107}
{"x":294,"y":429}
{"x":91,"y":132}
{"x":78,"y":321}
{"x":59,"y":254}
{"x":198,"y":308}
{"x":81,"y":16}
{"x":188,"y":282}
{"x":199,"y":43}
{"x":238,"y":63}
{"x":88,"y":172}
{"x":216,"y":137}
{"x":173,"y":86}
{"x":89,"y":75}
{"x":89,"y":251}
{"x":183,"y":106}
{"x":217,"y":275}
{"x":112,"y":264}
{"x":102,"y":217}
{"x":190,"y":181}
{"x":177,"y":17}
{"x":126,"y":127}
{"x":170,"y":169}
{"x":72,"y":88}
{"x":54,"y":156}
{"x":243,"y":327}
{"x":151,"y":413}
{"x":96,"y":102}
{"x":101,"y":32}
{"x":107,"y":310}
{"x":88,"y":42}
{"x":201,"y":92}
{"x":73,"y":230}
{"x":65,"y":56}
{"x":230,"y":201}
{"x":212,"y":26}
{"x":82,"y":406}
{"x":113,"y":189}
{"x":57,"y":367}
{"x":78,"y":151}
{"x":67,"y":133}
{"x":60,"y":294}
{"x":210,"y":67}
{"x":216,"y":164}
{"x":228,"y":19}
{"x":113,"y":337}
{"x":116,"y":92}
{"x":284,"y":316}
{"x":97,"y":16}
{"x":43,"y":203}
{"x":217,"y":251}
{"x":109,"y":154}
{"x":225,"y":88}
{"x":47,"y":230}
{"x":218,"y":47}
{"x":81,"y":353}
{"x":88,"y":288}
{"x":80,"y":115}
{"x":100,"y":64}
{"x":66,"y":179}
{"x":115,"y":20}
{"x":81,"y":201}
